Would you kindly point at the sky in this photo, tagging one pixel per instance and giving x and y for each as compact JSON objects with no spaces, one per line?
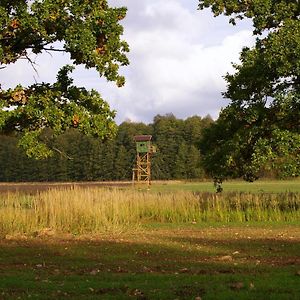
{"x":178,"y":57}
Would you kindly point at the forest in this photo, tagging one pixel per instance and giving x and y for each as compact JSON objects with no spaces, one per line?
{"x":78,"y":157}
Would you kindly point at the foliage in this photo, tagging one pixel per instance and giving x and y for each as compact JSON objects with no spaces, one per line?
{"x":90,"y":32}
{"x":176,"y":141}
{"x":58,"y":106}
{"x":272,"y":66}
{"x":89,"y":29}
{"x":247,"y":142}
{"x":80,"y":157}
{"x":260,"y":129}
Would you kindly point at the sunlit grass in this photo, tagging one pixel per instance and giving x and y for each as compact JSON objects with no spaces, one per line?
{"x":80,"y":211}
{"x":259,"y":186}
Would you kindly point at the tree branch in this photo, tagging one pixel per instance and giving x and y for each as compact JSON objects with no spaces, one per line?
{"x":62,"y":153}
{"x":54,"y":49}
{"x":47,"y":49}
{"x":32,"y":63}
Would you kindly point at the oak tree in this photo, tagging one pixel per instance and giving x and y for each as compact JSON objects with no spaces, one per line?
{"x":90,"y":32}
{"x":260,"y":129}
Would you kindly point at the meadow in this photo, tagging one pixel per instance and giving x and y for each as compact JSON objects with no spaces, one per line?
{"x":93,"y":210}
{"x":175,"y":241}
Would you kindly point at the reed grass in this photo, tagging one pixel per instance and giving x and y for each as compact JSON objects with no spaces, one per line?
{"x":78,"y":211}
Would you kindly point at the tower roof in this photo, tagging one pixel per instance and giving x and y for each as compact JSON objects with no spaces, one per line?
{"x":142,"y":138}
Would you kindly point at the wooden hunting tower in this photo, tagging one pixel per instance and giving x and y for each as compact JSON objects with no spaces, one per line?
{"x":144,"y":149}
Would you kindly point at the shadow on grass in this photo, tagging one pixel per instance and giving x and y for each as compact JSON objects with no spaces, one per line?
{"x":151,"y":266}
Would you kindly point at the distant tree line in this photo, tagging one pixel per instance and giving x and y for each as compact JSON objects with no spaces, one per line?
{"x":82,"y":158}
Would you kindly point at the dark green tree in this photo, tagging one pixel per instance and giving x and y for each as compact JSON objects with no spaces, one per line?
{"x":8,"y":154}
{"x":123,"y":165}
{"x":168,"y":134}
{"x":260,"y":128}
{"x":95,"y":172}
{"x":194,"y":169}
{"x":180,"y":163}
{"x":193,"y":128}
{"x":107,"y":160}
{"x":78,"y":157}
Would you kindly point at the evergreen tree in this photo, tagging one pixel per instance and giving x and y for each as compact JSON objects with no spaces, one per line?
{"x":194,"y":170}
{"x":168,"y":135}
{"x":123,"y":165}
{"x":180,"y":166}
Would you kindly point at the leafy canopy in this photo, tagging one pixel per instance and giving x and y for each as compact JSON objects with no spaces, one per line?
{"x":260,"y":129}
{"x":90,"y":32}
{"x":254,"y":141}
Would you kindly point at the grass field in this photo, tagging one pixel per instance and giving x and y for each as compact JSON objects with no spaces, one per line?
{"x":167,"y":263}
{"x":260,"y":186}
{"x":176,"y":241}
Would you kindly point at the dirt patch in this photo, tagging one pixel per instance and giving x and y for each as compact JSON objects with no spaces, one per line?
{"x":35,"y":187}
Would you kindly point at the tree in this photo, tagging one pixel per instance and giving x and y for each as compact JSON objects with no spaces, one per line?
{"x":261,"y":127}
{"x":107,"y":160}
{"x":122,"y":164}
{"x":168,"y":135}
{"x":180,"y":161}
{"x":89,"y":31}
{"x":272,"y":66}
{"x":193,"y":129}
{"x":193,"y":163}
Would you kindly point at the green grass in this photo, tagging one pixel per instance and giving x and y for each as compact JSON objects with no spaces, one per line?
{"x":259,"y":186}
{"x":210,"y":262}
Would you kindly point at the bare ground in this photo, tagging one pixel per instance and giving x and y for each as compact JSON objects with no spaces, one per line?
{"x":35,"y":187}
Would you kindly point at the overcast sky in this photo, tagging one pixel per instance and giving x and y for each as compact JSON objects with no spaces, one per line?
{"x":177,"y":59}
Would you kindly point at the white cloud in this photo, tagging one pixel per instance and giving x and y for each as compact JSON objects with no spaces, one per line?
{"x":177,"y":64}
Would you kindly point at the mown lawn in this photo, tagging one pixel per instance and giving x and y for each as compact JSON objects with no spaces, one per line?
{"x":208,"y":262}
{"x":259,"y":186}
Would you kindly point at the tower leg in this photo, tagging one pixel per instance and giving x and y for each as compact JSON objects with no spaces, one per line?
{"x":142,"y":172}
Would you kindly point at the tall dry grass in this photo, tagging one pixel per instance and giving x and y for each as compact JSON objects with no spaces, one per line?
{"x":96,"y":210}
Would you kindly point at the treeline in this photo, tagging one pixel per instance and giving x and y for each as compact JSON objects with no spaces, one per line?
{"x":81,"y":158}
